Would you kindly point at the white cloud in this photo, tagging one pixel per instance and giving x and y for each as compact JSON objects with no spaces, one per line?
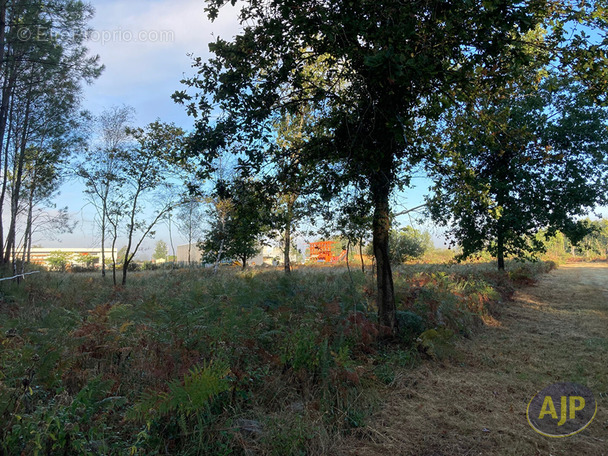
{"x":144,"y":73}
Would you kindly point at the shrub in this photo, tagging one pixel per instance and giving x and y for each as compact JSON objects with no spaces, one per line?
{"x":411,"y":325}
{"x":408,"y":244}
{"x":59,"y":261}
{"x":437,"y":343}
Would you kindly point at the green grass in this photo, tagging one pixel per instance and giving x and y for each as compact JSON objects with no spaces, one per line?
{"x":182,"y":362}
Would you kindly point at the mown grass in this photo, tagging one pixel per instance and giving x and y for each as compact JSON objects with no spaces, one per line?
{"x":184,"y":363}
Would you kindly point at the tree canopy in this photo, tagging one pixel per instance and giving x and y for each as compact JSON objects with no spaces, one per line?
{"x":386,"y":68}
{"x":240,"y":220}
{"x":161,"y":251}
{"x":531,"y":158}
{"x":43,"y":64}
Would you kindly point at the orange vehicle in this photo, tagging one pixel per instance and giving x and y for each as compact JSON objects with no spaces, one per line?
{"x":322,"y":252}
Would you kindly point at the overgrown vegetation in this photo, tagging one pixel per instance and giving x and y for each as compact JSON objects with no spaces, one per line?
{"x":186,"y":362}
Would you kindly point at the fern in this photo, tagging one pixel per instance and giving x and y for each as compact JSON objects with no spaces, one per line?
{"x":190,"y":396}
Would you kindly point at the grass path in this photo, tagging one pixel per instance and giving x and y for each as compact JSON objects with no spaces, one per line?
{"x":475,"y":403}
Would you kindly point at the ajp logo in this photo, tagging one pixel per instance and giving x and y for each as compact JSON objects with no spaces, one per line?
{"x":562,"y":409}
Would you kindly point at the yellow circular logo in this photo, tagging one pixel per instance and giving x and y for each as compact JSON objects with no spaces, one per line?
{"x":562,"y":410}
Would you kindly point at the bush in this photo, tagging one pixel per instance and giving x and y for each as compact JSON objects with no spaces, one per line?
{"x":408,"y":244}
{"x":405,"y":244}
{"x":437,"y":343}
{"x":411,"y":325}
{"x":59,"y":261}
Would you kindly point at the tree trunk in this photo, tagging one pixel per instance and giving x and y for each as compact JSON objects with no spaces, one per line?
{"x":500,"y":249}
{"x":114,"y":259}
{"x":104,"y":220}
{"x":361,"y":255}
{"x":381,"y":227}
{"x":27,"y":238}
{"x":3,"y":5}
{"x":103,"y":242}
{"x":347,"y":261}
{"x":29,"y":247}
{"x":131,"y":232}
{"x":125,"y":269}
{"x":171,"y":244}
{"x":501,"y":260}
{"x":18,"y":181}
{"x":27,"y":243}
{"x":287,"y":261}
{"x":244,"y":263}
{"x":190,"y":240}
{"x":218,"y":258}
{"x":6,"y":111}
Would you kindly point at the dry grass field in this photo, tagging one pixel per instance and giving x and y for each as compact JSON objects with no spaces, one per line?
{"x":475,"y":402}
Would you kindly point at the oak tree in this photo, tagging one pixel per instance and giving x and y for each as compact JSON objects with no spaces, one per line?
{"x":532,"y":157}
{"x":387,"y":66}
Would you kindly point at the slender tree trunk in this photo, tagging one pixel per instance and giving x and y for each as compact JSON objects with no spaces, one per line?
{"x":191,"y":210}
{"x":361,"y":255}
{"x":103,"y":242}
{"x":104,"y":226}
{"x":106,"y":182}
{"x":244,"y":263}
{"x":3,"y":5}
{"x":381,"y":227}
{"x":348,"y":261}
{"x":6,"y":107}
{"x":27,"y":239}
{"x":125,"y":269}
{"x":23,"y":251}
{"x":18,"y":178}
{"x":221,"y":250}
{"x":114,"y":259}
{"x":27,"y":242}
{"x":171,"y":243}
{"x":286,"y":252}
{"x":29,"y":245}
{"x":219,"y":257}
{"x":127,"y":260}
{"x":128,"y":255}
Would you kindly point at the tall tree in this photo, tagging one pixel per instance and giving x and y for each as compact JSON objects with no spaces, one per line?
{"x":596,"y":242}
{"x":101,"y":165}
{"x":242,"y":218}
{"x":295,"y":179}
{"x":388,"y":65}
{"x":532,"y":157}
{"x":189,"y":222}
{"x":43,"y":66}
{"x":145,"y":169}
{"x":160,"y":251}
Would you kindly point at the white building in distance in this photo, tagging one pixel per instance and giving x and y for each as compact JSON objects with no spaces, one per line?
{"x":77,"y":256}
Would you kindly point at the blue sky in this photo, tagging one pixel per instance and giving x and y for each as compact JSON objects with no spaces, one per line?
{"x":145,"y":45}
